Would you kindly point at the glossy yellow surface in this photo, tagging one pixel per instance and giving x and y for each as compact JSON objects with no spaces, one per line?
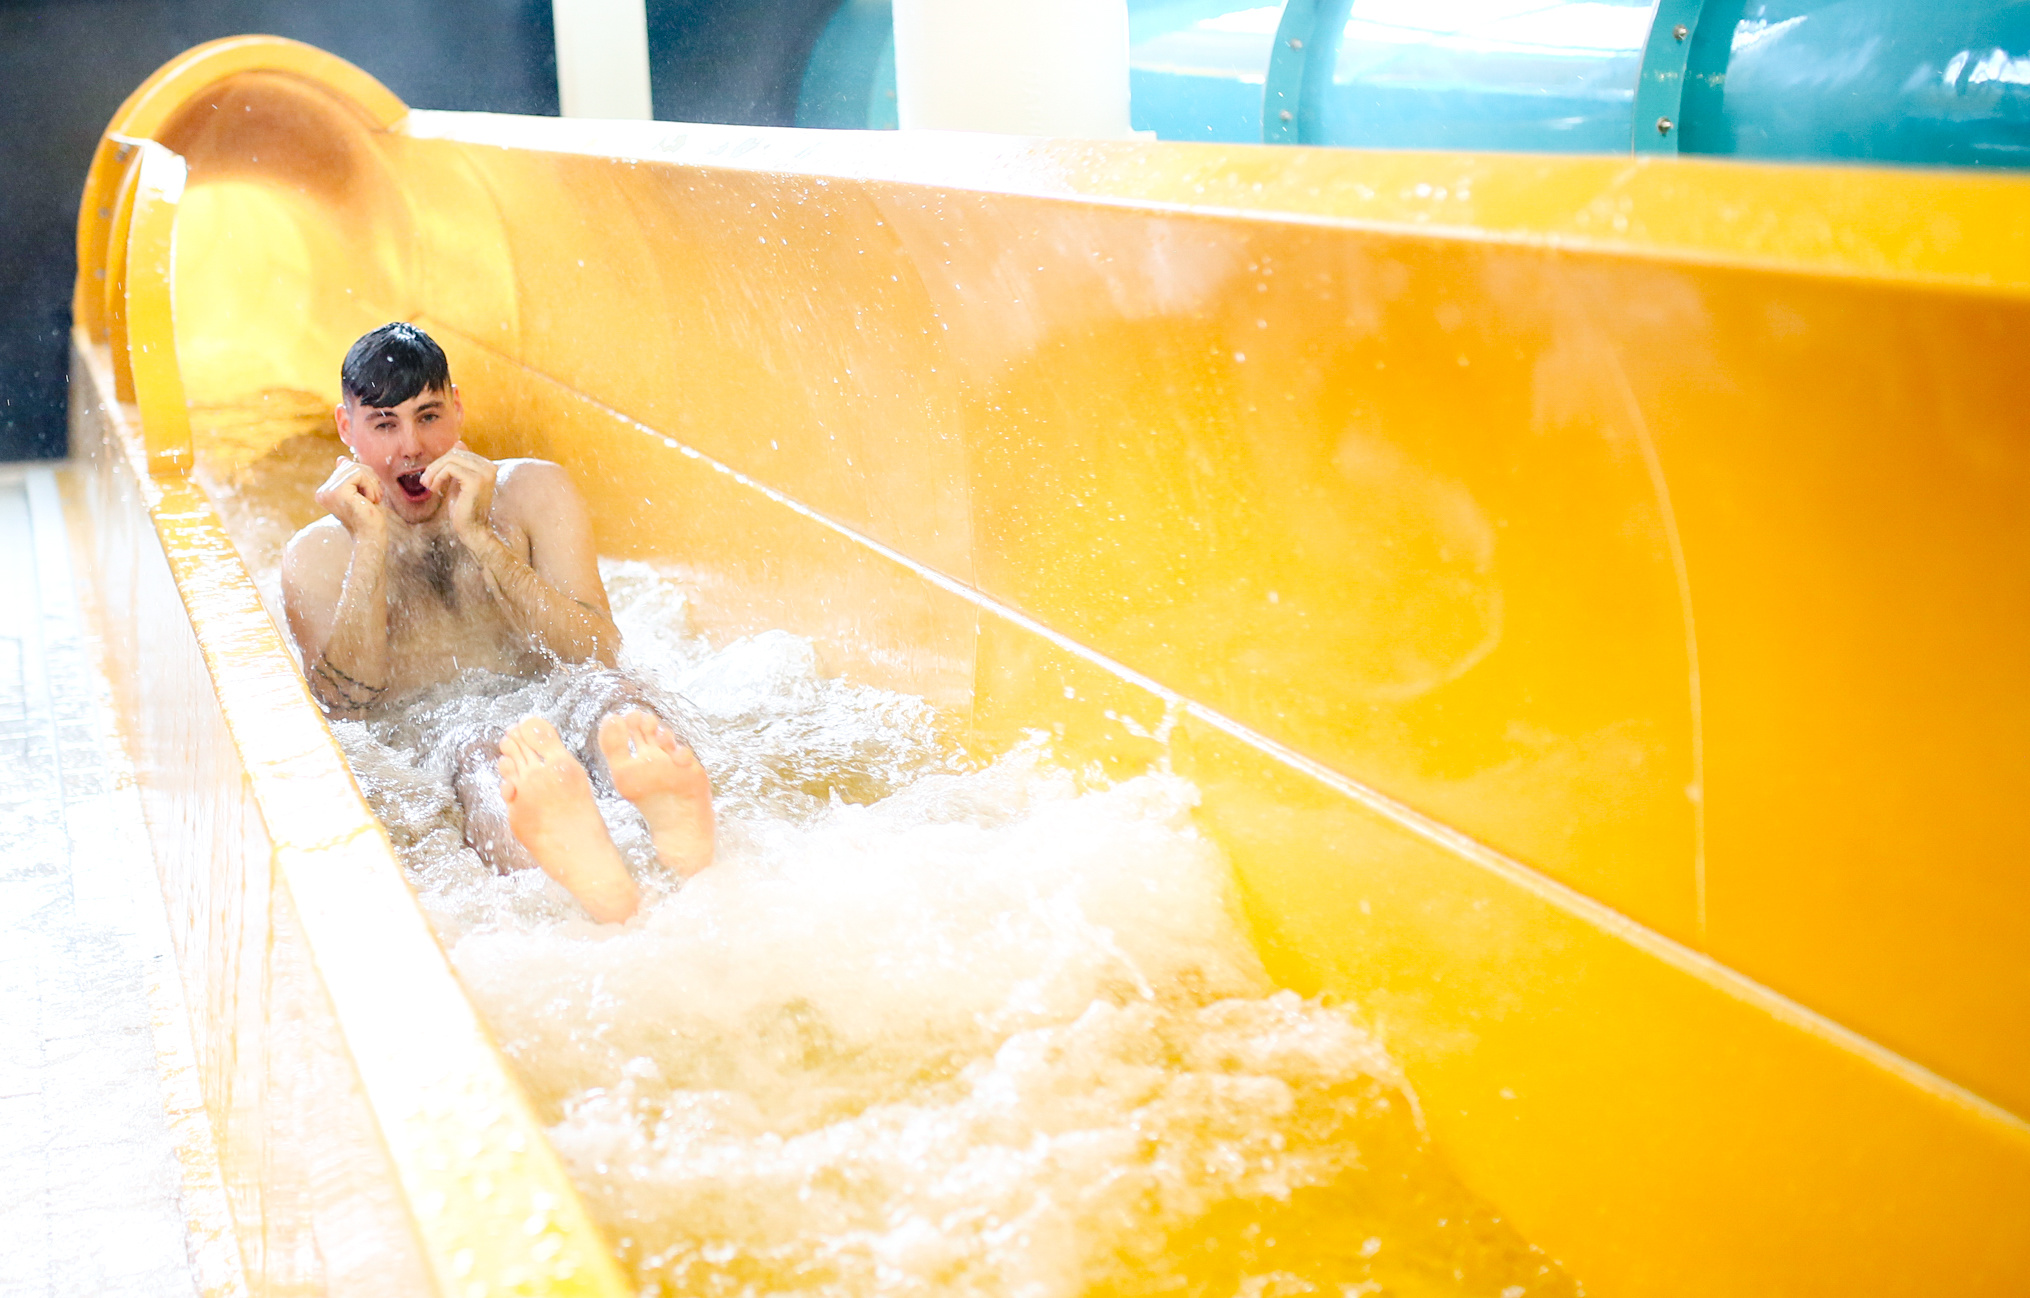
{"x":1589,"y":592}
{"x":371,"y":1141}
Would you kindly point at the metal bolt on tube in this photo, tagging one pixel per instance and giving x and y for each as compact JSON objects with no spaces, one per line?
{"x":1660,"y":85}
{"x":1283,"y":80}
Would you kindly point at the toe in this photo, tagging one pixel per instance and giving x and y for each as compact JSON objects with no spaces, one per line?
{"x":614,"y":738}
{"x":537,"y":729}
{"x":541,"y":739}
{"x":652,"y":732}
{"x":523,"y":753}
{"x":510,"y":765}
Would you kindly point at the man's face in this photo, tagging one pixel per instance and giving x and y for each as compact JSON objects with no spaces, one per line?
{"x":398,"y":442}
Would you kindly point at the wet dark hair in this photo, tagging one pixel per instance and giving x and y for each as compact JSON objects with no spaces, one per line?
{"x":391,"y":365}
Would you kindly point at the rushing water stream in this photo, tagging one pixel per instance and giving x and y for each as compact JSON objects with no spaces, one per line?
{"x":934,"y":1023}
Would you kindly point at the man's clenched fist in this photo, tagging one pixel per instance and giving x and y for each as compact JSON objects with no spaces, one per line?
{"x":352,"y":495}
{"x":466,"y":481}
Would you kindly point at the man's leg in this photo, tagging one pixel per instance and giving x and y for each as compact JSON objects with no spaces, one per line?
{"x":656,"y":771}
{"x":543,"y":814}
{"x":477,"y":784}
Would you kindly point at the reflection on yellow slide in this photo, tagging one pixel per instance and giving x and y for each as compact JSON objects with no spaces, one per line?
{"x":1590,"y":595}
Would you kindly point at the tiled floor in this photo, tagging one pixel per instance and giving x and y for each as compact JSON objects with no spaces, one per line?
{"x":102,"y":1142}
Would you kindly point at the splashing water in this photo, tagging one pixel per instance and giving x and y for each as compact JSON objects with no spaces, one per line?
{"x":930,"y":1024}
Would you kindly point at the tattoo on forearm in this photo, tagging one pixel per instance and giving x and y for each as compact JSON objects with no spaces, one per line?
{"x":324,"y":665}
{"x":347,"y":689}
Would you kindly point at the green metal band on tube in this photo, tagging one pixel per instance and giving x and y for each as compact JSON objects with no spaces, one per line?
{"x":1283,"y":83}
{"x":1658,"y":119}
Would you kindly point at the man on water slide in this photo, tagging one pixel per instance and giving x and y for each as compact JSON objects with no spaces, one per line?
{"x":434,"y":561}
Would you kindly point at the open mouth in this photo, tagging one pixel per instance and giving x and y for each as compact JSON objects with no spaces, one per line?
{"x":412,"y":485}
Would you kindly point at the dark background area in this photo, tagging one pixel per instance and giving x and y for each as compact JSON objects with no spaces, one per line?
{"x":731,"y":60}
{"x":65,"y":65}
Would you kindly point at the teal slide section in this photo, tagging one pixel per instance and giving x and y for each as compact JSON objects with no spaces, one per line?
{"x":1892,"y":81}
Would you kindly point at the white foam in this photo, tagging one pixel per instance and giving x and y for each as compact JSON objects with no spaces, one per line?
{"x":927,"y":1026}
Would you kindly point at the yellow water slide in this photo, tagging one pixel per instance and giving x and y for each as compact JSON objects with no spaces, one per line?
{"x":1590,"y":595}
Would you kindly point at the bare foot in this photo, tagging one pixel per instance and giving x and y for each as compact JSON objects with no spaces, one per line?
{"x":652,"y":769}
{"x":550,"y":809}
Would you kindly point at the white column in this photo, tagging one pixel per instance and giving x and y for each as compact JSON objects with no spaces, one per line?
{"x":602,"y":58}
{"x":1023,"y":67}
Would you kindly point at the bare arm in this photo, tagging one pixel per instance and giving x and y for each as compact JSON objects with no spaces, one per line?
{"x":556,"y":599}
{"x":334,"y":594}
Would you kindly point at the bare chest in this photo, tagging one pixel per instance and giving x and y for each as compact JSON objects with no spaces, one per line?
{"x":444,"y":616}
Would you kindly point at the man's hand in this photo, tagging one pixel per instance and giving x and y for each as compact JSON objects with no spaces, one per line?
{"x":352,"y":495}
{"x":467,"y":481}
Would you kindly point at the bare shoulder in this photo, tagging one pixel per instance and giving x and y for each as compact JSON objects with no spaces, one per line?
{"x":538,"y":497}
{"x":316,"y":557}
{"x":529,"y":483}
{"x":313,"y":580}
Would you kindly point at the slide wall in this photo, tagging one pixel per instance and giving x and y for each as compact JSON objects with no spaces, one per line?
{"x":1589,"y":594}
